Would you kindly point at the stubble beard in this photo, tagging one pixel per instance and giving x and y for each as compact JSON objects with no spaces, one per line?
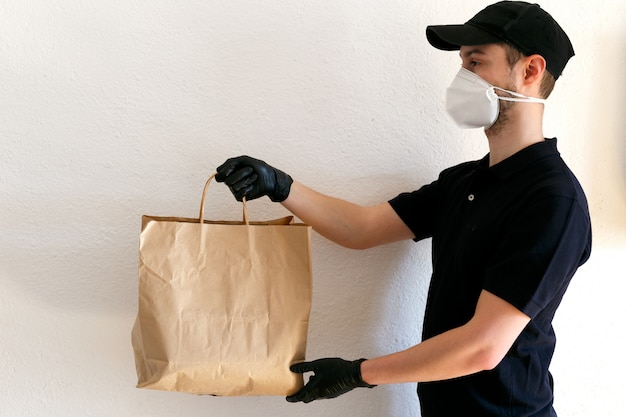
{"x":505,"y":111}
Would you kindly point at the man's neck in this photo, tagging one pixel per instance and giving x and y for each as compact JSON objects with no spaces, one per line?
{"x":517,"y":133}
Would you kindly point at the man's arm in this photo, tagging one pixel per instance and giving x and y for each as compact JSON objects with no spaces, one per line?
{"x":477,"y":346}
{"x":345,"y":223}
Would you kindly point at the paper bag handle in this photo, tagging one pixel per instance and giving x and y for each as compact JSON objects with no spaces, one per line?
{"x":206,"y":188}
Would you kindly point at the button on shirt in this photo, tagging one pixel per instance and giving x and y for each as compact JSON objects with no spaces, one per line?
{"x":518,"y":229}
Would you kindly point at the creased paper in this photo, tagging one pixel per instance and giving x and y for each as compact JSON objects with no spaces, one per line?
{"x":223,"y":306}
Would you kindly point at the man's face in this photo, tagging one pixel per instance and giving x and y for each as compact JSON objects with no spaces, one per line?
{"x":489,"y":62}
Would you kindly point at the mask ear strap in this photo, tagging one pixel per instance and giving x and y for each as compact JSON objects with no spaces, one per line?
{"x":520,"y":98}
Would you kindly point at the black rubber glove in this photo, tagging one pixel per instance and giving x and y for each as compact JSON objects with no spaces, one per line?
{"x":333,"y":377}
{"x":253,"y":178}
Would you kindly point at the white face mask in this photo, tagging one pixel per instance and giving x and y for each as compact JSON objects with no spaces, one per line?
{"x":472,"y":102}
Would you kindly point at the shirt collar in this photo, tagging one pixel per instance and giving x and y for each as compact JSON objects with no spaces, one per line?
{"x":520,"y":160}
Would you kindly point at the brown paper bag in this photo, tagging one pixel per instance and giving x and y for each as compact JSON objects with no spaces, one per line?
{"x":223,"y":306}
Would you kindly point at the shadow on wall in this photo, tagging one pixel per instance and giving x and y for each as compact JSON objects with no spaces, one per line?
{"x":609,"y":135}
{"x":621,"y":117}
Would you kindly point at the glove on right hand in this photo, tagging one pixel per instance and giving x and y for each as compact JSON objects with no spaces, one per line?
{"x":253,"y":178}
{"x":333,"y":377}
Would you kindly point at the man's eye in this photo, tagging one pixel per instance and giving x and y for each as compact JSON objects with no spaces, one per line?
{"x":473,"y":63}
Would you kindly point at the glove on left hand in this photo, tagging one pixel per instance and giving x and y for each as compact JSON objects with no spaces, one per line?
{"x":333,"y":377}
{"x":252,"y":178}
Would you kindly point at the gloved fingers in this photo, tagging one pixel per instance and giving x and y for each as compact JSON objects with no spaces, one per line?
{"x":242,"y":183}
{"x":238,"y":184}
{"x":244,"y":192}
{"x":225,"y":170}
{"x":302,"y":367}
{"x":234,"y":164}
{"x":302,"y":395}
{"x":298,"y":396}
{"x":311,"y":396}
{"x":295,"y":398}
{"x":231,"y":165}
{"x":310,"y":392}
{"x":239,"y":175}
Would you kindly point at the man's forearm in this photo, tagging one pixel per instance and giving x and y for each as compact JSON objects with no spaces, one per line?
{"x":331,"y":217}
{"x":345,"y":223}
{"x":476,"y":346}
{"x":440,"y":358}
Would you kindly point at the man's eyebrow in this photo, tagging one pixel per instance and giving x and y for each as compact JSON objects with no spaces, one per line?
{"x":471,"y":52}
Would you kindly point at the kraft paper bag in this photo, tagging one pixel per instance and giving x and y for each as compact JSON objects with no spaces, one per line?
{"x":223,"y":305}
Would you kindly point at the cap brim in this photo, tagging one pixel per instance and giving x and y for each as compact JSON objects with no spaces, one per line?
{"x":452,"y":37}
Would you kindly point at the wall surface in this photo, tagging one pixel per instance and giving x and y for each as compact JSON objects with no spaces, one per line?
{"x":111,"y":110}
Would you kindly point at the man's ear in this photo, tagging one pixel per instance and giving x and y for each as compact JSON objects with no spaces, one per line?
{"x":535,"y":66}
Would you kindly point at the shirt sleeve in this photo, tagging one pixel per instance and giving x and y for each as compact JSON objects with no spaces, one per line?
{"x":417,"y":209}
{"x":539,"y":254}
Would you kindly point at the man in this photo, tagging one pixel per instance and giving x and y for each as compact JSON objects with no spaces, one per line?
{"x":508,"y":231}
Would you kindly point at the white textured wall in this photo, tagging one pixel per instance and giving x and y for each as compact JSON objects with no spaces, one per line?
{"x":113,"y":109}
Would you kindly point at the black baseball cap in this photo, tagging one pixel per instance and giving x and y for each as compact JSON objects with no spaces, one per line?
{"x":524,"y":25}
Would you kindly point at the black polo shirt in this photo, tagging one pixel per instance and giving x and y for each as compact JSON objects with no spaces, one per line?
{"x":518,"y":229}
